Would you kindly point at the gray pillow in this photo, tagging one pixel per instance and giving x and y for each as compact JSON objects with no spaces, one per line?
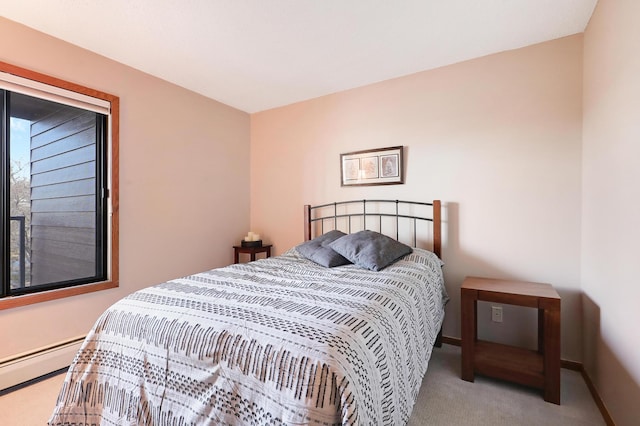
{"x":318,"y":251}
{"x":370,"y":249}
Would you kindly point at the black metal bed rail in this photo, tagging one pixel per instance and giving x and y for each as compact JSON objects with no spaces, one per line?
{"x":364,"y":201}
{"x":364,"y":214}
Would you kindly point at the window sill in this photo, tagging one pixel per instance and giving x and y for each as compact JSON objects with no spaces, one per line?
{"x":45,"y":296}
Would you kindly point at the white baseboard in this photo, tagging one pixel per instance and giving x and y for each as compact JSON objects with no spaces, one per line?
{"x":30,"y":365}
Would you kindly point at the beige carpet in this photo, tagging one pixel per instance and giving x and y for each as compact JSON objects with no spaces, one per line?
{"x":31,"y":405}
{"x":444,"y":400}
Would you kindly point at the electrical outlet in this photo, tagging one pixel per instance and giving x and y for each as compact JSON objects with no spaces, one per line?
{"x":496,"y":313}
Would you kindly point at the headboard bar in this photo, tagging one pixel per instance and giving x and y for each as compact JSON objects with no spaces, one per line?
{"x":337,"y":203}
{"x":437,"y":228}
{"x":338,"y":216}
{"x":435,"y":218}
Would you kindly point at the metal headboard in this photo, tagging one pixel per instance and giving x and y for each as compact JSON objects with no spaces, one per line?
{"x":320,"y":214}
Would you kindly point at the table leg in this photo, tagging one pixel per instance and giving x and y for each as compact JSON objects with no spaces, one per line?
{"x":551,"y":329}
{"x":541,"y":331}
{"x":236,"y":256}
{"x":469,"y":303}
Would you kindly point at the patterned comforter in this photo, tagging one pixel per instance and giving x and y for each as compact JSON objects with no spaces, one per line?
{"x":276,"y":341}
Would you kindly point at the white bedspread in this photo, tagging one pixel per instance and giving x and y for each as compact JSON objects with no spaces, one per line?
{"x":277,"y":341}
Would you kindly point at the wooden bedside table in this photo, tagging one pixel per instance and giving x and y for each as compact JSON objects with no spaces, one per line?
{"x":251,"y":251}
{"x":539,"y":369}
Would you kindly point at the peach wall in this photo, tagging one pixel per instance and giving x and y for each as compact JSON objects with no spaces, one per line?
{"x":498,"y":139}
{"x":611,"y":206}
{"x":184,"y":190}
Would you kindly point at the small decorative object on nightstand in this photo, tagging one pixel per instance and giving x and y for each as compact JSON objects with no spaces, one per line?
{"x":251,"y":244}
{"x":541,"y":368}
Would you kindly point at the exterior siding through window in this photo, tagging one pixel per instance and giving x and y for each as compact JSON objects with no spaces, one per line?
{"x":63,"y":197}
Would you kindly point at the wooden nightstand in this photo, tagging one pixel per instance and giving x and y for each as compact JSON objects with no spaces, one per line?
{"x":251,"y":251}
{"x":539,"y":369}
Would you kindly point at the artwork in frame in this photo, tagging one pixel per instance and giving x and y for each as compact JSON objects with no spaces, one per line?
{"x":382,"y":166}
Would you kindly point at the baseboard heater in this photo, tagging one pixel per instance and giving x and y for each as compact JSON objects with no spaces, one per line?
{"x":33,"y":364}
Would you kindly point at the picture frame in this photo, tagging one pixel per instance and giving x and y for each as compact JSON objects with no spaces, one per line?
{"x":381,"y":166}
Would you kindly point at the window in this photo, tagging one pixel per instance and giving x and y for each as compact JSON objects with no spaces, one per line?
{"x":58,"y":190}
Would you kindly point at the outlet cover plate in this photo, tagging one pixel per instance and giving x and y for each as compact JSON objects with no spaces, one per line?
{"x":496,"y":313}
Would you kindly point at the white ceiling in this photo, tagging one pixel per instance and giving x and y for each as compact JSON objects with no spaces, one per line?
{"x":260,"y":54}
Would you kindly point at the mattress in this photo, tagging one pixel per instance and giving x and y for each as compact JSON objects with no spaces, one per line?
{"x":276,"y":341}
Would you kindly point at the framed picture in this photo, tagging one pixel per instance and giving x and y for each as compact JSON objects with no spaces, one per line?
{"x":381,"y":166}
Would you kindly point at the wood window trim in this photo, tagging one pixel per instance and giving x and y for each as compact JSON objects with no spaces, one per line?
{"x":113,"y":273}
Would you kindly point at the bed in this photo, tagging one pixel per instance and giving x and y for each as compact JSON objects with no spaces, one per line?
{"x":284,"y":340}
